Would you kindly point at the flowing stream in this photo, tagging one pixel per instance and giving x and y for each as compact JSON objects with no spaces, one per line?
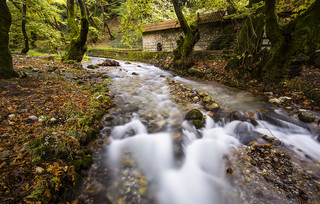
{"x":150,"y":154}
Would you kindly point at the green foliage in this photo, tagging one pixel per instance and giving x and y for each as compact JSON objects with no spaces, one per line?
{"x":94,"y":35}
{"x":44,"y":19}
{"x":51,"y":147}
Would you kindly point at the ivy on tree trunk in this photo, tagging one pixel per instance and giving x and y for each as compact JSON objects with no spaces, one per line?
{"x":77,"y":47}
{"x":182,"y":55}
{"x":6,"y":68}
{"x":292,"y":44}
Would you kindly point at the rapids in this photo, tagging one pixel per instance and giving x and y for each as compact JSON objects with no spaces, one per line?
{"x":141,"y":148}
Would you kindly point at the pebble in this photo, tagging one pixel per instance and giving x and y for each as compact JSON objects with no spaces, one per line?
{"x":39,"y":170}
{"x":11,"y":116}
{"x":196,"y":99}
{"x":42,"y":119}
{"x":99,"y":97}
{"x":53,"y":120}
{"x":275,"y":100}
{"x":33,"y":117}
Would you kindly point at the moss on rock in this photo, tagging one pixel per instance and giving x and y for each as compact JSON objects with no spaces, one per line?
{"x":194,"y":114}
{"x":198,"y":124}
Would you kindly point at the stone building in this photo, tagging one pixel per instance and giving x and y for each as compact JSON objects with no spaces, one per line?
{"x":216,"y":33}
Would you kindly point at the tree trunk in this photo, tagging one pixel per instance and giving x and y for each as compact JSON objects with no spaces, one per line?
{"x":183,"y":54}
{"x":248,"y":49}
{"x":77,"y":47}
{"x":291,"y":44}
{"x":24,"y":21}
{"x":6,"y":68}
{"x":105,"y":25}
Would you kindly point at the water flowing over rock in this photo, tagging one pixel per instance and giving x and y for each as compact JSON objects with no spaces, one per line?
{"x":154,"y":149}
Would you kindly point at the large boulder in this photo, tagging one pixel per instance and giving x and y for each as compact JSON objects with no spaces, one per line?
{"x":109,"y":62}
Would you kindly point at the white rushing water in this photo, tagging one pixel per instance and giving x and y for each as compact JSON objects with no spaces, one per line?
{"x":141,"y":91}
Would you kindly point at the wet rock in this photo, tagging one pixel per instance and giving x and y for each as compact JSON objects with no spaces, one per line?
{"x":109,"y":62}
{"x":211,"y":107}
{"x":156,"y":126}
{"x":91,"y":66}
{"x":193,"y":90}
{"x":196,"y":99}
{"x":194,"y":114}
{"x":196,"y":72}
{"x":221,"y":115}
{"x":127,"y":62}
{"x":208,"y":99}
{"x":198,"y":124}
{"x":275,"y":100}
{"x":306,"y":116}
{"x":135,"y":73}
{"x":235,"y":115}
{"x":203,"y":94}
{"x":284,"y":98}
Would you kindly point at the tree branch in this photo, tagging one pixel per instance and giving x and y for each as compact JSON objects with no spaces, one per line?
{"x":183,"y":23}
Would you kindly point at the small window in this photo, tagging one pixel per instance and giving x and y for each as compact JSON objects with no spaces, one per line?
{"x":159,"y":47}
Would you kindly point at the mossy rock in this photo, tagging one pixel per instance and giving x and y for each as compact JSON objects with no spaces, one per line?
{"x":198,"y":124}
{"x":306,"y":117}
{"x":79,"y":81}
{"x":86,"y":161}
{"x":77,"y":164}
{"x":194,"y":114}
{"x":83,"y":163}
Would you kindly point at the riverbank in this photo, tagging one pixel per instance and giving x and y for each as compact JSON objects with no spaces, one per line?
{"x":47,"y":118}
{"x":300,"y":95}
{"x":301,"y":92}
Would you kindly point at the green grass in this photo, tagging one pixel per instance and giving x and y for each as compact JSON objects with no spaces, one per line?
{"x":35,"y":53}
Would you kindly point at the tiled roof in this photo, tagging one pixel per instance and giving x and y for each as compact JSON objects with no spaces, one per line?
{"x":172,"y":24}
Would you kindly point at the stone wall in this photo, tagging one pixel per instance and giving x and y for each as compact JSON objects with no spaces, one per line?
{"x":209,"y":33}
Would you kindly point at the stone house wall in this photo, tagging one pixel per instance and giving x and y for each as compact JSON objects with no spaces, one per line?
{"x":209,"y":32}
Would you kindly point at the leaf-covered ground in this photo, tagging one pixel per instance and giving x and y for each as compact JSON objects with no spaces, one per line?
{"x":295,"y":94}
{"x":46,"y":118}
{"x":304,"y":90}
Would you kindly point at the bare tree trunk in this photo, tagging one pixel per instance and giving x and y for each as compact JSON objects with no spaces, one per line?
{"x":24,"y":21}
{"x":6,"y":68}
{"x":105,"y":25}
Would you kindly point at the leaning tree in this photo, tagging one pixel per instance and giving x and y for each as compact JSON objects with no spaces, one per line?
{"x":6,"y":68}
{"x":182,"y":55}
